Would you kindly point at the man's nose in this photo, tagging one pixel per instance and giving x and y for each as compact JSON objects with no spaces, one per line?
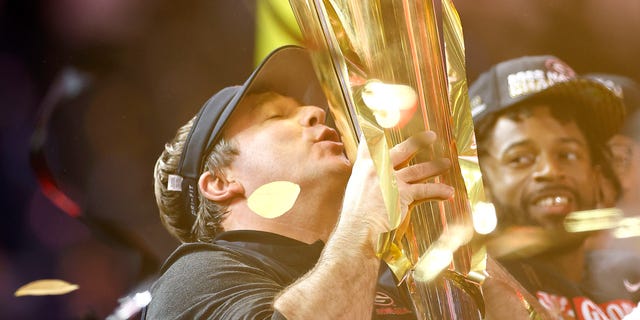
{"x":311,"y":116}
{"x":548,"y":168}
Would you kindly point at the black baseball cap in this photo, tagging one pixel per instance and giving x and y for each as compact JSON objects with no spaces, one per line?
{"x":512,"y":82}
{"x":287,"y":70}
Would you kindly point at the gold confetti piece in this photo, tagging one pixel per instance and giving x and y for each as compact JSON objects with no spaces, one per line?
{"x":591,"y":220}
{"x":603,"y":219}
{"x":274,"y":199}
{"x":432,"y":262}
{"x":440,"y":254}
{"x":45,"y":287}
{"x":628,"y":227}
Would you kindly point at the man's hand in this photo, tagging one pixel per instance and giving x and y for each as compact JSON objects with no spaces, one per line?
{"x":364,"y":211}
{"x":342,"y":285}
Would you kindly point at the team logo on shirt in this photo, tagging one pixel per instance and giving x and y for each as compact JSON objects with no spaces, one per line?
{"x":383,"y":299}
{"x":385,"y":305}
{"x":583,"y":308}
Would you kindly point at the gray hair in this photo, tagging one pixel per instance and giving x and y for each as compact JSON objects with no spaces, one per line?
{"x":173,"y":215}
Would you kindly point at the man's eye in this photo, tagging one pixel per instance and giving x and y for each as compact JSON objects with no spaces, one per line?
{"x":521,"y":160}
{"x":572,"y":156}
{"x":569,"y":156}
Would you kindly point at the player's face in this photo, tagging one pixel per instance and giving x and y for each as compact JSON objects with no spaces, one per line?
{"x":538,"y":169}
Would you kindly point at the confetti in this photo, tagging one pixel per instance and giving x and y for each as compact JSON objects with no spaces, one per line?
{"x":274,"y":199}
{"x":45,"y":287}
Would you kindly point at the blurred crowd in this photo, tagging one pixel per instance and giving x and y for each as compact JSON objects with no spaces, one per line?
{"x":105,"y":84}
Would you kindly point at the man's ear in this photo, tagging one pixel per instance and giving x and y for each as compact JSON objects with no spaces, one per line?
{"x":217,"y":188}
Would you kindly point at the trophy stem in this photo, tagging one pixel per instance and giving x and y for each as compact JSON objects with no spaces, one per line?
{"x":364,"y":51}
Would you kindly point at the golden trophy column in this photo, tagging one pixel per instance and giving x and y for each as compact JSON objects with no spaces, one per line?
{"x":382,"y":68}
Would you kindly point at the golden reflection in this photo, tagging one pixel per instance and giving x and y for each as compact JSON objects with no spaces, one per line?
{"x":391,"y":104}
{"x":484,"y":217}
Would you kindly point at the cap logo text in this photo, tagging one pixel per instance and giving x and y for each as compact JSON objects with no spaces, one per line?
{"x":532,"y":81}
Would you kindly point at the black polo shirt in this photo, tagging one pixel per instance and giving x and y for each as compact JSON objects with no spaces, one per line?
{"x":239,"y":275}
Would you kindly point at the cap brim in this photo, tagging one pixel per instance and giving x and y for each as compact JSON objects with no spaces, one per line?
{"x":288,"y":71}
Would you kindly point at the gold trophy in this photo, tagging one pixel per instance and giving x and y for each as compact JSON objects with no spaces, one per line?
{"x":381,"y":65}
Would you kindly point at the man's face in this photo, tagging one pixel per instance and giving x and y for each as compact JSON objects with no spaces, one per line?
{"x":538,"y":169}
{"x":626,"y":163}
{"x":279,"y":139}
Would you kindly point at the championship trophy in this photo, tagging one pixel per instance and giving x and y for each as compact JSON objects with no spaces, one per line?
{"x":382,"y":67}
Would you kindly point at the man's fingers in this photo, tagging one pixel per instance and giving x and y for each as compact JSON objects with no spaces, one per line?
{"x":405,"y":150}
{"x":430,"y":191}
{"x":423,"y":171}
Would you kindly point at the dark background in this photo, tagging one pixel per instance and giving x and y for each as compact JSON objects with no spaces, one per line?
{"x":149,"y":65}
